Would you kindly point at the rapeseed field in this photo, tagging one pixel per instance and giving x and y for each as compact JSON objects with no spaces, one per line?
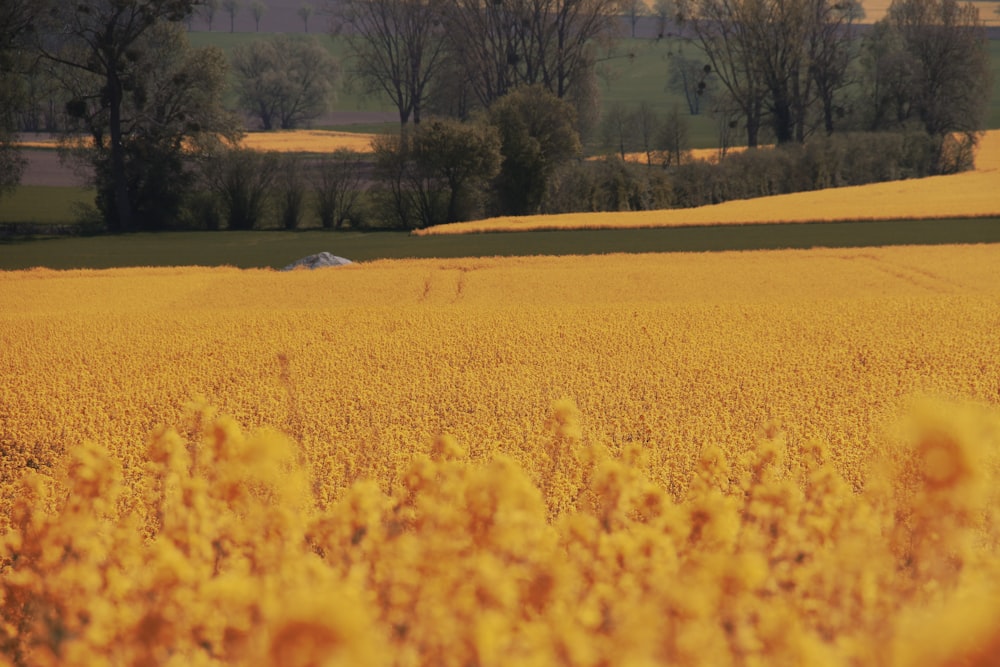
{"x":760,"y":458}
{"x":970,"y":194}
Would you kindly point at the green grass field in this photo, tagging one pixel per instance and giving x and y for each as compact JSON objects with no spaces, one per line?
{"x":277,"y":249}
{"x":41,"y":204}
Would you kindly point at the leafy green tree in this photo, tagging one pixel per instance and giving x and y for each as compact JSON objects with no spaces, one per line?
{"x":144,"y":97}
{"x":454,"y":162}
{"x":537,"y":134}
{"x":284,"y":81}
{"x":438,"y":173}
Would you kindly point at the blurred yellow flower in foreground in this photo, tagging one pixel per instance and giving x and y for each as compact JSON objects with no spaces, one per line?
{"x":620,"y":460}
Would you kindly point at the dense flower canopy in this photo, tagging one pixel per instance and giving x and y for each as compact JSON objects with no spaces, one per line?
{"x":730,"y":459}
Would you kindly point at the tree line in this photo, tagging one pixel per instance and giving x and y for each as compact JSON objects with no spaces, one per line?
{"x":492,"y":97}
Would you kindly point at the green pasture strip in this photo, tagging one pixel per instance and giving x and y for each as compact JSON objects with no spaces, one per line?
{"x":277,"y":249}
{"x":43,"y":204}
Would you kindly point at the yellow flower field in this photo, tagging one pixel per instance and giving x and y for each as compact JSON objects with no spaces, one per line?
{"x":746,"y":459}
{"x":283,"y":141}
{"x":308,"y":141}
{"x":971,"y":194}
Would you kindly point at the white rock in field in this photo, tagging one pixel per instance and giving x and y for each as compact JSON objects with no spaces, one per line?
{"x":317,"y":261}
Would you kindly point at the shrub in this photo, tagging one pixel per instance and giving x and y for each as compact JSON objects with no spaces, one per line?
{"x":201,"y":211}
{"x":537,"y":133}
{"x":607,"y":185}
{"x":437,"y":174}
{"x":241,"y":178}
{"x":290,"y":191}
{"x":336,"y":181}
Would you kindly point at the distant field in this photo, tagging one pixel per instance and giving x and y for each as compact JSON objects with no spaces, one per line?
{"x":285,"y":141}
{"x":308,"y":141}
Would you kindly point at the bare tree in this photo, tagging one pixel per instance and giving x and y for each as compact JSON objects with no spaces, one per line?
{"x":305,"y":13}
{"x":284,"y":81}
{"x":232,"y":7}
{"x":258,"y":8}
{"x":290,"y":186}
{"x":665,"y":12}
{"x":673,"y":137}
{"x":722,"y":30}
{"x":336,"y":181}
{"x":453,"y":162}
{"x":692,"y":78}
{"x":618,"y":130}
{"x":509,"y":43}
{"x":633,"y":11}
{"x":830,"y":56}
{"x":209,"y":8}
{"x":397,"y":48}
{"x":647,"y":124}
{"x":776,"y":57}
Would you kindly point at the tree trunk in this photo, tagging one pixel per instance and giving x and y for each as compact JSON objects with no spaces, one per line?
{"x":753,"y":130}
{"x":119,"y":182}
{"x":784,"y":118}
{"x":453,"y":189}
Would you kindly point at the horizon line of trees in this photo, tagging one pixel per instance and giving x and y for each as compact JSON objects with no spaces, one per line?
{"x":447,"y":170}
{"x":786,"y":70}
